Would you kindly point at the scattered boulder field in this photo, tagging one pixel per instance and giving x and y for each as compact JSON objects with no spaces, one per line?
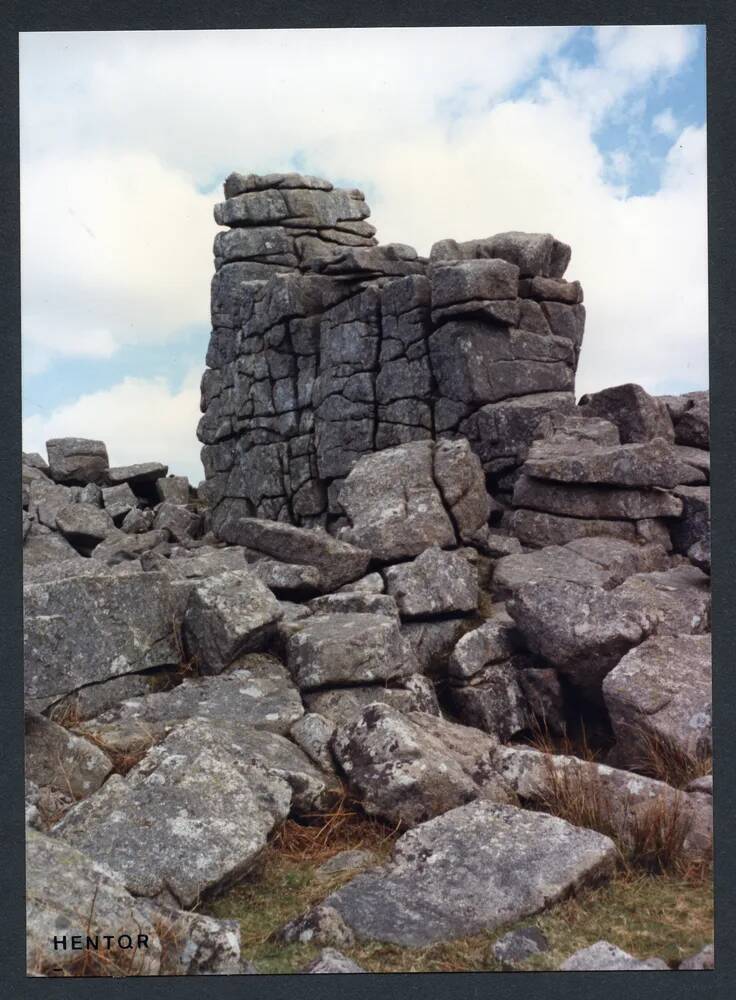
{"x":414,"y":568}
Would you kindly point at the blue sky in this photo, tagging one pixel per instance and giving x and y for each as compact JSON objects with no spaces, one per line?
{"x":597,"y":135}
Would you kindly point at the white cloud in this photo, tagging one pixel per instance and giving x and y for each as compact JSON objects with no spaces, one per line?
{"x":140,"y":420}
{"x":665,"y":123}
{"x":120,"y":254}
{"x":118,"y":129}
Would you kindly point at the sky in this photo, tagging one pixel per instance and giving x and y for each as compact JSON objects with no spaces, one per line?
{"x":595,"y":134}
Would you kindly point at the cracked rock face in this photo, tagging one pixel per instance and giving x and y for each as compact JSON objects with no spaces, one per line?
{"x":326,"y":347}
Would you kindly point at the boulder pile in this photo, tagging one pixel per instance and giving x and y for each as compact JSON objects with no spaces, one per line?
{"x":412,"y":554}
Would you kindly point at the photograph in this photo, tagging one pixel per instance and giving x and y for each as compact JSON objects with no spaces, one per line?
{"x":366,"y":501}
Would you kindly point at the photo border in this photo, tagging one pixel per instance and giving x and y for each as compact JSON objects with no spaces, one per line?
{"x":720,"y":20}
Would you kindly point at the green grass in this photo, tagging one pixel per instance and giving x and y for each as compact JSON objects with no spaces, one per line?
{"x":667,"y":916}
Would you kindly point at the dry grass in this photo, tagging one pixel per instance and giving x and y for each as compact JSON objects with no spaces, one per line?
{"x":660,"y":758}
{"x":650,"y":837}
{"x":579,"y":746}
{"x":125,"y":760}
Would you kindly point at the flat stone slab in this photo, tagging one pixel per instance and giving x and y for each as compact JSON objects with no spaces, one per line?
{"x":265,"y":698}
{"x":348,"y":649}
{"x":679,"y":598}
{"x":651,"y":463}
{"x":70,"y":895}
{"x":554,"y":562}
{"x":471,"y":870}
{"x":591,"y":501}
{"x":195,"y":813}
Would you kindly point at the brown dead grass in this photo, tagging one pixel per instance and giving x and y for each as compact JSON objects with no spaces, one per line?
{"x":661,"y":758}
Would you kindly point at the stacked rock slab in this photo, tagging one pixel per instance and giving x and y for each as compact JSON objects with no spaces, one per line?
{"x":610,"y":468}
{"x":326,"y":347}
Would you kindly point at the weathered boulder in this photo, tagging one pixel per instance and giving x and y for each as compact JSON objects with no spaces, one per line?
{"x":321,"y":925}
{"x":471,"y":870}
{"x":694,"y":525}
{"x":71,"y":897}
{"x":57,"y":759}
{"x":433,"y":642}
{"x":409,"y":768}
{"x":583,"y":631}
{"x":415,"y":694}
{"x":287,"y":578}
{"x":193,"y":944}
{"x":332,"y":962}
{"x":436,"y":582}
{"x":343,"y":649}
{"x":42,"y":547}
{"x":337,"y":562}
{"x":118,"y":501}
{"x":551,"y":563}
{"x":393,"y":504}
{"x":516,"y":946}
{"x":77,"y":460}
{"x":119,"y":546}
{"x":192,"y":815}
{"x":538,"y":529}
{"x":136,"y":475}
{"x":660,"y":693}
{"x":84,"y":525}
{"x":313,"y":734}
{"x":693,"y":426}
{"x":620,"y":558}
{"x":606,"y":957}
{"x":85,"y":629}
{"x":492,"y":700}
{"x":46,"y":499}
{"x":263,"y":697}
{"x":180,"y":522}
{"x":638,"y":416}
{"x":679,"y":598}
{"x":355,"y":602}
{"x":173,"y":489}
{"x":226,"y":615}
{"x":461,"y":481}
{"x":492,"y":642}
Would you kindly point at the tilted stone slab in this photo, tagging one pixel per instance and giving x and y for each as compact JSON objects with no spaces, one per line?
{"x":57,"y":759}
{"x":77,"y":460}
{"x":190,"y":817}
{"x":469,"y":871}
{"x":679,"y":598}
{"x":338,"y":563}
{"x":661,"y":692}
{"x":551,"y":563}
{"x":414,"y":694}
{"x":393,"y":504}
{"x":85,"y":629}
